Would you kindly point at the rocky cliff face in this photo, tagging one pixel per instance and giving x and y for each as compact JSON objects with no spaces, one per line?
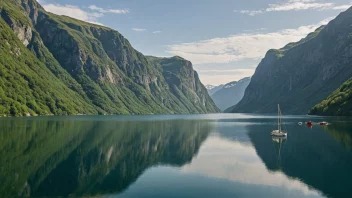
{"x":302,"y":74}
{"x":99,"y":65}
{"x":184,"y":83}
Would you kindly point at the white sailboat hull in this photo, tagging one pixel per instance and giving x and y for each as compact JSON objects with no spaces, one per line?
{"x":278,"y":133}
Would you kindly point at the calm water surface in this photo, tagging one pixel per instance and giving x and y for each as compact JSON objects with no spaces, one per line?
{"x":220,"y":155}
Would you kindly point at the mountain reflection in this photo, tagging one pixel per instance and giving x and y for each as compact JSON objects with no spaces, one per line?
{"x":342,"y":133}
{"x":81,"y":158}
{"x":310,"y":155}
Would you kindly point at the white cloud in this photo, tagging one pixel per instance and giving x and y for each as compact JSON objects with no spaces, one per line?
{"x":114,"y":11}
{"x":76,"y":12}
{"x":73,"y":11}
{"x":139,"y":29}
{"x":238,"y":162}
{"x":157,"y":32}
{"x":342,"y":7}
{"x":251,"y":12}
{"x":226,"y":71}
{"x":240,"y":46}
{"x":296,"y":5}
{"x":216,"y":77}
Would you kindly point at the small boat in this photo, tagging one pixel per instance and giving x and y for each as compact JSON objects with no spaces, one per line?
{"x":279,"y":132}
{"x":300,"y":123}
{"x":310,"y":123}
{"x":323,"y":123}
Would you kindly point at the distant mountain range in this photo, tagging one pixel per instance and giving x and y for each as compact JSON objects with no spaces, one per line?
{"x":230,"y":94}
{"x":304,"y":73}
{"x":213,"y":88}
{"x":56,"y":65}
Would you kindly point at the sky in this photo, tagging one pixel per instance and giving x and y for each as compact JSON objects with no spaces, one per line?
{"x":224,"y":39}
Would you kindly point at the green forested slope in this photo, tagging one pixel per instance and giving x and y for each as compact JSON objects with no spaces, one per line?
{"x":339,"y":103}
{"x":24,"y":83}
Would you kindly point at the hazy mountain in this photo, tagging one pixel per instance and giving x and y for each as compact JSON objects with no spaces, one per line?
{"x":213,"y":88}
{"x":52,"y":64}
{"x":231,"y":93}
{"x":302,"y":74}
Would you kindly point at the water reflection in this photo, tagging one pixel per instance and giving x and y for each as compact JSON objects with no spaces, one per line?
{"x":238,"y":162}
{"x":341,"y":132}
{"x":76,"y":157}
{"x":278,"y":142}
{"x":159,"y":156}
{"x":309,"y":155}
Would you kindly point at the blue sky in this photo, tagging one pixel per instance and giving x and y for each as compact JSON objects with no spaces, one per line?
{"x":224,"y":39}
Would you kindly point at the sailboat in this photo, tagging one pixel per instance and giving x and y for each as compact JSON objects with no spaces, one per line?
{"x":279,"y":132}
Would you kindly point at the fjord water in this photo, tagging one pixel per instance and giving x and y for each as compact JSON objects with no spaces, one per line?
{"x":220,"y":155}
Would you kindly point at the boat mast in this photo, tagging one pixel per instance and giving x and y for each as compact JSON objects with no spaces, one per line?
{"x":278,"y":118}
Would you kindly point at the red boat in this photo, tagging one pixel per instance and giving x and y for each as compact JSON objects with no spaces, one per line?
{"x":310,"y":123}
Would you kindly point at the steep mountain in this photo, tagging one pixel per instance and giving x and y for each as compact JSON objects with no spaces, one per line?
{"x":213,"y":88}
{"x":230,"y":94}
{"x":185,"y":84}
{"x":339,"y":103}
{"x":302,"y":74}
{"x":52,"y":64}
